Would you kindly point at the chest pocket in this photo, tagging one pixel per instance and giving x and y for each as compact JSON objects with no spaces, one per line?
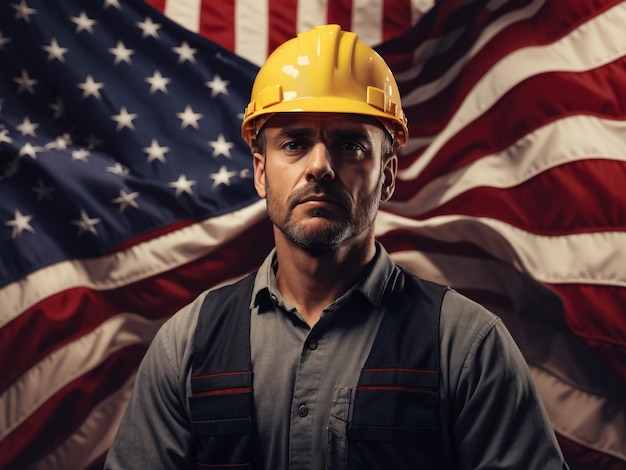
{"x":222,"y":418}
{"x":389,"y":421}
{"x":395,"y":422}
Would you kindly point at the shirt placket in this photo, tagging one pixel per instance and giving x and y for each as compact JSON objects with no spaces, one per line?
{"x":309,"y":373}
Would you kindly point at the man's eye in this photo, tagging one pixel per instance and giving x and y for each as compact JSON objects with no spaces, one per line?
{"x":351,"y":149}
{"x":292,"y":146}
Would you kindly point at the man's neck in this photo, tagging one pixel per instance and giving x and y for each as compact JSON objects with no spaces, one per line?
{"x":312,"y":280}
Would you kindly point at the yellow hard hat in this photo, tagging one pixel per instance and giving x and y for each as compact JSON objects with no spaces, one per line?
{"x":325,"y":70}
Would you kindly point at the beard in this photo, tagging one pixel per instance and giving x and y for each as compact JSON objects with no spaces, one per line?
{"x":329,"y":232}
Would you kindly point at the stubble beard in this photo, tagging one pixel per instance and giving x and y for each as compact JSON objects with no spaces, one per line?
{"x":327,"y":236}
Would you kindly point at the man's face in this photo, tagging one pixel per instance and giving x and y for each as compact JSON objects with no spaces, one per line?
{"x":323,"y":176}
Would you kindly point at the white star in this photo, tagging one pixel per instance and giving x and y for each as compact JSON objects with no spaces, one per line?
{"x":23,"y":11}
{"x":112,"y":3}
{"x":90,"y":87}
{"x":188,"y":118}
{"x":55,"y":51}
{"x":126,"y":199}
{"x":83,"y":23}
{"x":61,"y":142}
{"x":221,"y":146}
{"x":27,"y":127}
{"x":81,"y":155}
{"x":43,"y":192}
{"x":121,"y":53}
{"x":217,"y":86}
{"x":124,"y":119}
{"x":149,"y":28}
{"x":3,"y":41}
{"x":118,"y":169}
{"x":158,"y":82}
{"x":4,"y":136}
{"x":86,"y":224}
{"x":156,"y":152}
{"x":58,"y":108}
{"x":20,"y":223}
{"x":26,"y":83}
{"x":222,"y":177}
{"x":185,"y":52}
{"x":182,"y":185}
{"x":28,"y":149}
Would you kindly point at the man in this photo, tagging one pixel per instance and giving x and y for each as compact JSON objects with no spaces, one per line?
{"x":331,"y":356}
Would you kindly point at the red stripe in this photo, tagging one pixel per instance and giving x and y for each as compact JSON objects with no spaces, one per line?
{"x":217,"y":22}
{"x":595,"y":313}
{"x":157,"y":4}
{"x":340,"y":12}
{"x":404,"y":240}
{"x":580,"y":457}
{"x":396,"y":18}
{"x":282,"y":16}
{"x":220,"y":374}
{"x":594,"y":187}
{"x":60,"y":416}
{"x":224,"y":391}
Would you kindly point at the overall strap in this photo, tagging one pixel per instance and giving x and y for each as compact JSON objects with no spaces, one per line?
{"x":396,"y":420}
{"x":221,"y":399}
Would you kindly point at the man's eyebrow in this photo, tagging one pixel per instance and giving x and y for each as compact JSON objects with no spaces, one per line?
{"x":352,"y":135}
{"x":296,"y":132}
{"x":356,"y":134}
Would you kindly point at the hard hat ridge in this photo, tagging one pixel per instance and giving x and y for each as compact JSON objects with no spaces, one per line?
{"x":325,"y":69}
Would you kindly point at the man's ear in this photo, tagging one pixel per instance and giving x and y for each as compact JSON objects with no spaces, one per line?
{"x":390,"y":169}
{"x":258,"y":163}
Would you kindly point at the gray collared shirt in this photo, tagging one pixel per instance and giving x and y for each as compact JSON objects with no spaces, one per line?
{"x":491,"y":413}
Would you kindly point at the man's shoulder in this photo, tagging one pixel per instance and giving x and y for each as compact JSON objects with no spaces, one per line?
{"x":456,"y":309}
{"x":221,"y":293}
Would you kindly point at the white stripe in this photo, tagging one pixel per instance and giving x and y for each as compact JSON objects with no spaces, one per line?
{"x":592,"y":421}
{"x":93,"y":437}
{"x":138,"y":262}
{"x":252,"y":30}
{"x":64,"y":365}
{"x":589,"y":258}
{"x":595,"y":43}
{"x":452,"y":270}
{"x":419,"y":8}
{"x":571,"y":139}
{"x":311,"y":13}
{"x":367,"y":20}
{"x":184,"y":12}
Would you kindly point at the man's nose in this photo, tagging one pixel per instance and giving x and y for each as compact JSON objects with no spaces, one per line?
{"x":319,"y":163}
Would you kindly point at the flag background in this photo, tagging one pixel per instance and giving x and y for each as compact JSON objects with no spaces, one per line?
{"x":125,"y":191}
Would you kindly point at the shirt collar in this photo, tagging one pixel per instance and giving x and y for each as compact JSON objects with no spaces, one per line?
{"x":372,"y":285}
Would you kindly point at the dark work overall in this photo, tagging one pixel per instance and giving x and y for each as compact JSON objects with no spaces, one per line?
{"x":395,"y":420}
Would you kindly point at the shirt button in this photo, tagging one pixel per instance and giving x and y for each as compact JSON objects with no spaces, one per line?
{"x":303,"y":410}
{"x":312,"y":345}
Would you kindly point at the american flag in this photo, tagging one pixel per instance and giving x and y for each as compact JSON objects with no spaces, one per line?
{"x":125,"y":191}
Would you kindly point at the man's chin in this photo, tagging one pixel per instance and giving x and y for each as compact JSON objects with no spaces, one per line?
{"x":319,"y":238}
